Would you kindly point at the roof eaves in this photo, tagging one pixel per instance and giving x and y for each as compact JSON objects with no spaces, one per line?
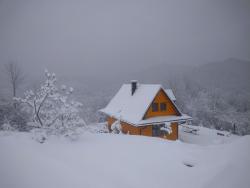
{"x":172,"y":120}
{"x":114,"y":116}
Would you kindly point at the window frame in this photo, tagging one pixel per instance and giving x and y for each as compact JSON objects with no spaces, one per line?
{"x":155,"y":107}
{"x":163,"y":106}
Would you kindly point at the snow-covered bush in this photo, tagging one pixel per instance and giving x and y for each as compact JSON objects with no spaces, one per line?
{"x":116,"y":127}
{"x":97,"y":128}
{"x":53,"y":109}
{"x":15,"y":118}
{"x":7,"y":127}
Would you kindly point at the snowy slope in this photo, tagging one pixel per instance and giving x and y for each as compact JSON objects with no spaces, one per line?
{"x":205,"y":136}
{"x":107,"y":160}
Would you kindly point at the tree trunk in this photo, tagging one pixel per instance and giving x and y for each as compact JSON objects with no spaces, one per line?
{"x":14,"y":95}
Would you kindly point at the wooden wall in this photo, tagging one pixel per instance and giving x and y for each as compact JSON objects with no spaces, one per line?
{"x":143,"y":130}
{"x":161,"y":97}
{"x":175,"y":132}
{"x":125,"y":127}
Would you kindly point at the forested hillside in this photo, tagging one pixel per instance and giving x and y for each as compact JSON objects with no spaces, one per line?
{"x":215,"y":94}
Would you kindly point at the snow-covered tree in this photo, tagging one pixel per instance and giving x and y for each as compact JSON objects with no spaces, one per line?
{"x":52,"y":108}
{"x":15,"y":77}
{"x":116,"y":127}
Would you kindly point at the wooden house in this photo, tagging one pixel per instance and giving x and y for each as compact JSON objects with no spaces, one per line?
{"x":145,"y":109}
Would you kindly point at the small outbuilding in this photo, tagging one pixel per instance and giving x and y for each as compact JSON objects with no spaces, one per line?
{"x":145,"y":109}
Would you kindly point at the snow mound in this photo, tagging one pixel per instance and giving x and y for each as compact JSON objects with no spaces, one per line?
{"x":108,"y":160}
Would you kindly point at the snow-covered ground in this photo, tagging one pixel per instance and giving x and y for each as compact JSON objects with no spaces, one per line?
{"x":204,"y":136}
{"x":108,"y":160}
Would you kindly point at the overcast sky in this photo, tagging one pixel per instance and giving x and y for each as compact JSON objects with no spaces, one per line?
{"x":89,"y":37}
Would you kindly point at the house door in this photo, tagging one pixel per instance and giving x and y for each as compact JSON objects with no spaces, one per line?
{"x":156,"y":130}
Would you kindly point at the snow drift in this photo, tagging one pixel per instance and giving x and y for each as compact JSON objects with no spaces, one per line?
{"x":106,"y":160}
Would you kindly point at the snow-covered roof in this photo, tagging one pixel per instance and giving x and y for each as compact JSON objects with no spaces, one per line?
{"x":131,"y":107}
{"x":170,"y":94}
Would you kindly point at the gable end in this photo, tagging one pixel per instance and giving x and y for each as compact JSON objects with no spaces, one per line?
{"x":162,"y":97}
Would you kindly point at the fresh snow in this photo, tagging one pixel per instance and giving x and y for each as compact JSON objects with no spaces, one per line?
{"x":111,"y":161}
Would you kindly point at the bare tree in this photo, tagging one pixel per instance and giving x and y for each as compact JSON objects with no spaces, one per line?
{"x":15,"y":77}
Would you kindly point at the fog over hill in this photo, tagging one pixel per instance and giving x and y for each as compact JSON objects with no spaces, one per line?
{"x":215,"y":94}
{"x":230,"y":74}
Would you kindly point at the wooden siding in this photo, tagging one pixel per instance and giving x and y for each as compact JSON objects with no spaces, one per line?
{"x":146,"y":131}
{"x":130,"y":129}
{"x":143,"y":130}
{"x":110,"y":121}
{"x":126,"y":128}
{"x":175,"y":132}
{"x":161,"y":97}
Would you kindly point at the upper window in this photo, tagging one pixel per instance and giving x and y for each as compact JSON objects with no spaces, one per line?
{"x":155,"y":107}
{"x":163,"y":106}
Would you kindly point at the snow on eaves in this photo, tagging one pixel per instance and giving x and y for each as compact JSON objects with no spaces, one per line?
{"x":170,"y":94}
{"x":161,"y":119}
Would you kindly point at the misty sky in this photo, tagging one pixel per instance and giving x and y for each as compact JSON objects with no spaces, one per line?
{"x":90,"y":37}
